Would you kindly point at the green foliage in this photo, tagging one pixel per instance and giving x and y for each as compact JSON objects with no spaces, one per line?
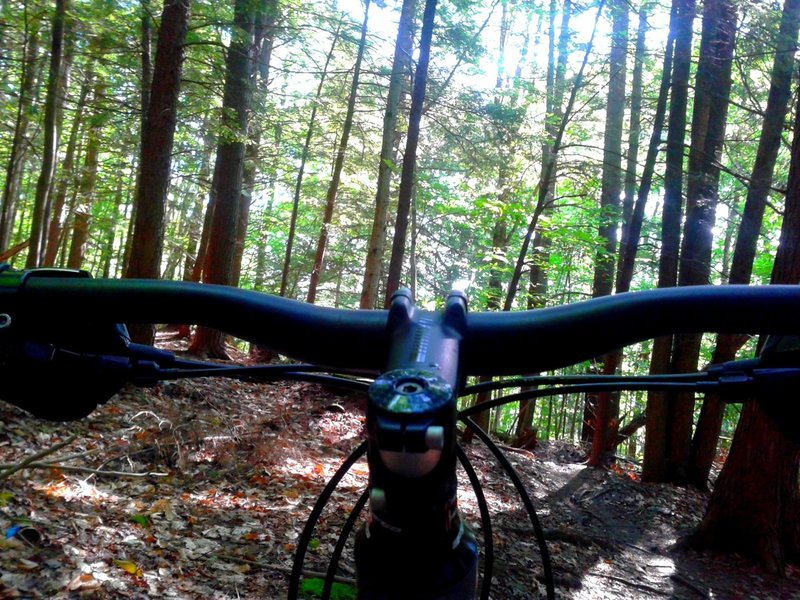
{"x":312,"y":588}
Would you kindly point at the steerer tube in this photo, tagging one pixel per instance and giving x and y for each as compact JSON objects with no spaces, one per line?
{"x":415,"y":544}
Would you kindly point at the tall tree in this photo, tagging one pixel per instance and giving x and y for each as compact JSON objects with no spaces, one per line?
{"x":263,"y":41}
{"x":145,"y":83}
{"x":704,"y":443}
{"x":709,"y":118}
{"x":632,"y":152}
{"x":330,"y":197}
{"x":540,"y":255}
{"x":632,"y":217}
{"x":67,"y":175}
{"x":298,"y":186}
{"x":631,"y":234}
{"x":155,"y":158}
{"x":19,"y":143}
{"x":611,"y":190}
{"x":226,"y":186}
{"x":45,"y":181}
{"x":658,"y":410}
{"x":82,"y":201}
{"x":548,"y":167}
{"x":401,"y":70}
{"x":755,"y":506}
{"x":410,"y":155}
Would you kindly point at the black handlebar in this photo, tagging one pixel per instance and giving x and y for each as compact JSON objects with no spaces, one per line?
{"x":493,"y":342}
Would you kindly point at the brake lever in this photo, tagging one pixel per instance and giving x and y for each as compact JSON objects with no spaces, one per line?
{"x":772,"y":379}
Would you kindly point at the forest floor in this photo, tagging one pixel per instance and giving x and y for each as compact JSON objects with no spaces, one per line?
{"x":200,"y":489}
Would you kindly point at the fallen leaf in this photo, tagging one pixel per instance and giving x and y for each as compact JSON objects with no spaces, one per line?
{"x":83,"y":582}
{"x":129,"y":567}
{"x":164,"y":506}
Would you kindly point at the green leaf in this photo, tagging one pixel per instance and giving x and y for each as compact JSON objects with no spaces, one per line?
{"x":312,"y":588}
{"x":143,"y":520}
{"x":5,"y":498}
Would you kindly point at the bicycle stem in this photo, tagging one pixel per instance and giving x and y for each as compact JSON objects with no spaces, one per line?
{"x":415,"y":544}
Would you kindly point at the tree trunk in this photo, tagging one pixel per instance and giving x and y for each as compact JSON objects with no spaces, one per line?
{"x":548,"y":169}
{"x":263,"y":39}
{"x":66,"y":176}
{"x":146,"y":65}
{"x":155,"y":156}
{"x":631,"y":234}
{"x":540,"y":255}
{"x":704,"y":443}
{"x":45,"y":181}
{"x":634,"y":131}
{"x":19,"y":145}
{"x":107,"y":252}
{"x":83,"y":199}
{"x":410,"y":155}
{"x":711,"y":99}
{"x":506,"y":133}
{"x":197,"y":224}
{"x":287,"y":261}
{"x":80,"y":234}
{"x":228,"y":170}
{"x":611,"y":189}
{"x":633,"y":213}
{"x":755,"y":507}
{"x":401,"y":69}
{"x":330,"y":198}
{"x":156,"y":148}
{"x":656,"y":446}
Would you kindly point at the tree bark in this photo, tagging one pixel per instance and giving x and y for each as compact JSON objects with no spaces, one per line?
{"x":156,"y":148}
{"x":656,"y":445}
{"x":330,"y":198}
{"x":704,"y":443}
{"x":155,"y":156}
{"x":410,"y":154}
{"x":263,"y":39}
{"x":80,"y":234}
{"x":755,"y":507}
{"x":711,"y":99}
{"x":19,"y":144}
{"x":611,"y":189}
{"x":228,"y":170}
{"x":45,"y":181}
{"x":401,"y":69}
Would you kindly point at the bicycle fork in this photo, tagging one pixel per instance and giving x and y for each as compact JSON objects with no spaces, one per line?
{"x":415,"y":544}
